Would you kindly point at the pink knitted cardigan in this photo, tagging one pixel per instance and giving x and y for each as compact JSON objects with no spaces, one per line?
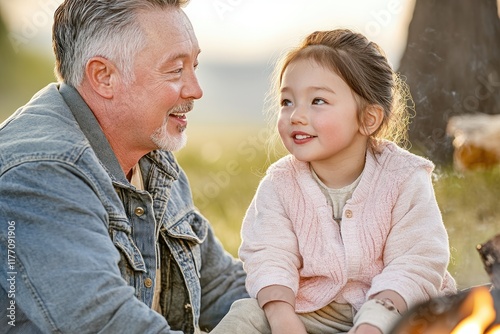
{"x":391,"y":236}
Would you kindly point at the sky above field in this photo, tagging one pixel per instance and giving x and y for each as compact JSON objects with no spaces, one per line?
{"x":244,"y":30}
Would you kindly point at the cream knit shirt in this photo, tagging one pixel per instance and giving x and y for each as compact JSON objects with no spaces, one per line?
{"x":391,"y":237}
{"x":337,"y":197}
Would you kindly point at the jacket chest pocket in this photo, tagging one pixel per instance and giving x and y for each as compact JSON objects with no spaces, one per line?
{"x":190,"y":231}
{"x":129,"y":250}
{"x":131,"y":262}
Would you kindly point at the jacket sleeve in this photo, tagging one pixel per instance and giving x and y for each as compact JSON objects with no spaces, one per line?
{"x":269,"y":247}
{"x":67,"y":275}
{"x":416,"y":252}
{"x":222,"y":281}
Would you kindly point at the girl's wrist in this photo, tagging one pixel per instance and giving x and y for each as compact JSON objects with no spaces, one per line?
{"x":278,"y":308}
{"x":378,"y":313}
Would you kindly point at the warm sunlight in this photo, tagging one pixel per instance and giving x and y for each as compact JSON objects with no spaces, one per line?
{"x":244,"y":30}
{"x":236,"y":31}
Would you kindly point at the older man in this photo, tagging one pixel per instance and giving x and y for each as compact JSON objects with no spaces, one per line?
{"x":97,"y":221}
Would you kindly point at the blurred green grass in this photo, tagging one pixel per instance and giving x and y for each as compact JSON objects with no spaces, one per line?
{"x":225,"y":164}
{"x":23,"y":72}
{"x":21,"y":76}
{"x":469,"y":204}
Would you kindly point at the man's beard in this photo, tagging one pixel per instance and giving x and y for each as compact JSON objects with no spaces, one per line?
{"x":172,"y":142}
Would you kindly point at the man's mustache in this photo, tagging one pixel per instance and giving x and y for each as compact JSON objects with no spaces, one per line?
{"x":182,"y":108}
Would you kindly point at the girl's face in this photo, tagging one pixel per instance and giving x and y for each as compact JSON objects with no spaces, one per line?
{"x":318,"y":120}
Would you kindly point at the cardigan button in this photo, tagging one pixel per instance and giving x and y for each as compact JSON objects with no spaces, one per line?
{"x":348,"y":213}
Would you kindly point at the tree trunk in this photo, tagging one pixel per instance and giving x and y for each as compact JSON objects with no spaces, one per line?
{"x":452,"y":65}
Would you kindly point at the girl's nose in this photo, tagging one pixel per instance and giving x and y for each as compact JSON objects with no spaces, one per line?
{"x":298,"y":116}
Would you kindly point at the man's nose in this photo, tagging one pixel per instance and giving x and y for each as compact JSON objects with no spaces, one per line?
{"x":191,"y":89}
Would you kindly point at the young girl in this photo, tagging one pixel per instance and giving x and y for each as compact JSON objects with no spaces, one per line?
{"x":344,"y":234}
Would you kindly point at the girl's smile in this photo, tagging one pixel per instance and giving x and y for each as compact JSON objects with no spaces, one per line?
{"x":300,"y":137}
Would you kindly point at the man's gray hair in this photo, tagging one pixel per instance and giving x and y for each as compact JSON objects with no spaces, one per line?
{"x":108,"y":28}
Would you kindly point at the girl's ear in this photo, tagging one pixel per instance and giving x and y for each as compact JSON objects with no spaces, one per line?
{"x":372,"y":119}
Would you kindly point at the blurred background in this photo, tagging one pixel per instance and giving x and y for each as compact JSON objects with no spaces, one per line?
{"x":447,"y":50}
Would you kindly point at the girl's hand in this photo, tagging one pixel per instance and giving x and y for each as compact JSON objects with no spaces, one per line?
{"x":365,"y":329}
{"x":283,"y":319}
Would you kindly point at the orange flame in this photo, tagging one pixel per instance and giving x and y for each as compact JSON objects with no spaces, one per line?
{"x":494,"y":330}
{"x":483,"y":314}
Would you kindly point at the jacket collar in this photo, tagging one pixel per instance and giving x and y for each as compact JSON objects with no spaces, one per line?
{"x":93,"y":131}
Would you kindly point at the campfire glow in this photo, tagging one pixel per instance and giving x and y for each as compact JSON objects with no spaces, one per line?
{"x":482,"y":316}
{"x":470,"y":311}
{"x":494,"y":330}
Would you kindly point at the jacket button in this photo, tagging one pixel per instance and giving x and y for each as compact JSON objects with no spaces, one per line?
{"x":187,"y":307}
{"x":148,"y":282}
{"x":348,"y":213}
{"x":139,"y":211}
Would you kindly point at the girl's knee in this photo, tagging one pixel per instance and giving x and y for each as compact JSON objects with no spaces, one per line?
{"x":245,"y":316}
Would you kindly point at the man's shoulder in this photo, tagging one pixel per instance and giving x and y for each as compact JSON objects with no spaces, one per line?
{"x":43,"y":129}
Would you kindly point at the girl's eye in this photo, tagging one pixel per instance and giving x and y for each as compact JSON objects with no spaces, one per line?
{"x":318,"y":101}
{"x":286,"y":103}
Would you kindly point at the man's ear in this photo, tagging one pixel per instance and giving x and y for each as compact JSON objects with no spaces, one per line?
{"x":100,"y":73}
{"x":373,"y":117}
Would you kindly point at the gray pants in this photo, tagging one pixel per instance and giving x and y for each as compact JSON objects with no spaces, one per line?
{"x":246,"y":317}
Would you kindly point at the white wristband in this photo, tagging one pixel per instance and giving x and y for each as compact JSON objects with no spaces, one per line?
{"x":378,"y":313}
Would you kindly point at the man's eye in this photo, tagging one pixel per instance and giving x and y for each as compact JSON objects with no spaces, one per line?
{"x":286,"y":103}
{"x":318,"y":101}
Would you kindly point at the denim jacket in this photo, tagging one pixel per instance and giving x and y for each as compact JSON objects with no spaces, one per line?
{"x":78,"y":241}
